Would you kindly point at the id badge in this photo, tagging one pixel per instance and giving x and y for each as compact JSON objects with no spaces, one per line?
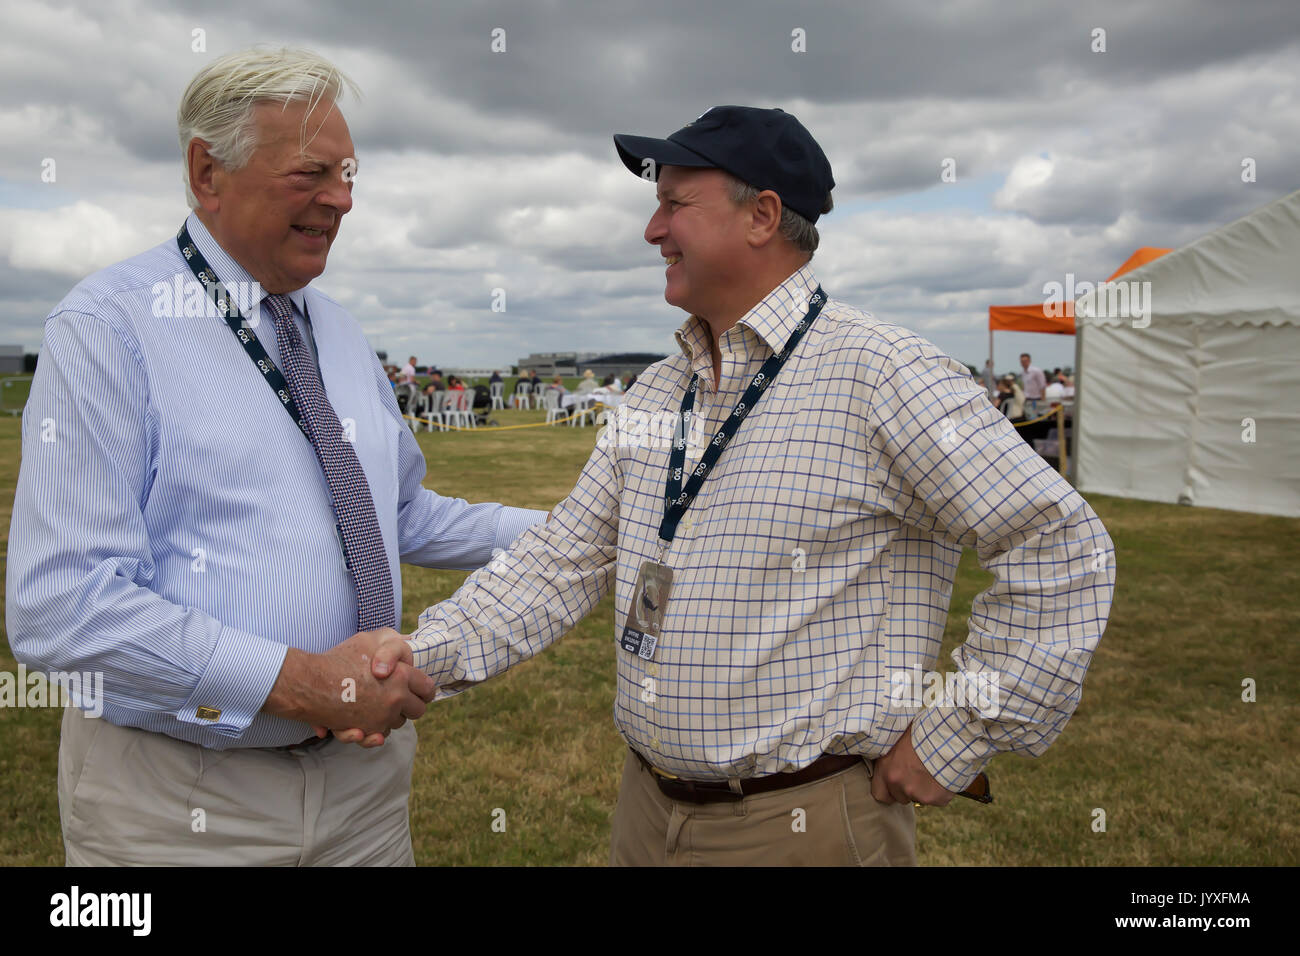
{"x":645,"y":618}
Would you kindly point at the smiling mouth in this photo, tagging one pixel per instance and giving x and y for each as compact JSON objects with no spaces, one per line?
{"x":672,"y":260}
{"x":307,"y":230}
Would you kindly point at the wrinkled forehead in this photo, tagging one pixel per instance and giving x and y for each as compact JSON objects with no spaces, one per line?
{"x":300,"y":127}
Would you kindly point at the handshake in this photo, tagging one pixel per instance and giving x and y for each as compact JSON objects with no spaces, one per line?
{"x":360,"y":690}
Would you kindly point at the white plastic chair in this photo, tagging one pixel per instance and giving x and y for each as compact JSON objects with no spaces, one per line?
{"x":433,"y":410}
{"x":583,"y":409}
{"x":551,"y":402}
{"x":497,"y":390}
{"x":520,"y":398}
{"x":459,"y":412}
{"x":406,"y":395}
{"x":415,"y":410}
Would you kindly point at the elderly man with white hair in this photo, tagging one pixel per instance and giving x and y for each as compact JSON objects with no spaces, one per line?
{"x":224,"y":546}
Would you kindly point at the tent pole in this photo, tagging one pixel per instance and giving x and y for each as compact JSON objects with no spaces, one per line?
{"x":1078,"y":392}
{"x":993,"y":372}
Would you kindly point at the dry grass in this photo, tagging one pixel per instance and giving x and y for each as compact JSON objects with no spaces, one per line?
{"x":1185,"y":771}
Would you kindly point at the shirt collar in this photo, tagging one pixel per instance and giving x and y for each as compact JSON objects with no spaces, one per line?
{"x":772,"y":320}
{"x":224,"y":265}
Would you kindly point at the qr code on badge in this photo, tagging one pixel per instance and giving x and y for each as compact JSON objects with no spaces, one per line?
{"x":647,"y":650}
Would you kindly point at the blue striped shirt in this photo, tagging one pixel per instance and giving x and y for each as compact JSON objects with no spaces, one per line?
{"x":172,"y":527}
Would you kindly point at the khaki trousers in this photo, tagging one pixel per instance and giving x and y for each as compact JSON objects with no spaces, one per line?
{"x":830,"y":822}
{"x":130,"y":797}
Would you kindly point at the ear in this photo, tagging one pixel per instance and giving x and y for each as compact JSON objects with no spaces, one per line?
{"x":764,"y":218}
{"x":205,"y":175}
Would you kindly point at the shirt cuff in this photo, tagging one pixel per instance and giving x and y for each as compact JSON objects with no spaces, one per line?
{"x":436,"y":655}
{"x":512,"y":523}
{"x":235,"y":684}
{"x":951,"y":745}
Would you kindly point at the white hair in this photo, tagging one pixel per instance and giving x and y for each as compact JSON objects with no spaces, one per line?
{"x":218,"y":104}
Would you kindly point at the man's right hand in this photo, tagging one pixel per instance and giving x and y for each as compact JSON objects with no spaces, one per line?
{"x":340,"y":688}
{"x":392,"y":654}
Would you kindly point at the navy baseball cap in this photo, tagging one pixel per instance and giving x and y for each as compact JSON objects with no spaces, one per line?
{"x":769,"y":149}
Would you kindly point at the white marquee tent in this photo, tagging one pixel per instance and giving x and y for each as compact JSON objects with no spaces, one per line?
{"x":1202,"y":405}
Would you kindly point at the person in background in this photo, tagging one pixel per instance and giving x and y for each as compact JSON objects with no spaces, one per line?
{"x":1035,"y":383}
{"x":496,"y":377}
{"x":630,"y":382}
{"x":407,"y":374}
{"x":1067,"y":385}
{"x":1011,"y":398}
{"x":523,"y":382}
{"x":988,"y":379}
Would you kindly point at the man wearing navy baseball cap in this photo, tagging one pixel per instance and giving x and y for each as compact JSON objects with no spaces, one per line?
{"x":782,"y":560}
{"x":768,"y":149}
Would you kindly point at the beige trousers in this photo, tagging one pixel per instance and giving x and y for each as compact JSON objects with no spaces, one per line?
{"x":130,"y":797}
{"x":830,"y":822}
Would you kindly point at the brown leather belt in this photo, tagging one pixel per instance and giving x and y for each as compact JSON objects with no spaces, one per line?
{"x":723,"y":791}
{"x":313,"y":739}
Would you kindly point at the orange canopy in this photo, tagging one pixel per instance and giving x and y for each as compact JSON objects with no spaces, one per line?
{"x":1056,"y":317}
{"x":1139,"y":258}
{"x":1032,"y":318}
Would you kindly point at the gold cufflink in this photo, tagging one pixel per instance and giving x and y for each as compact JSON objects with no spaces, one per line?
{"x":207,"y":713}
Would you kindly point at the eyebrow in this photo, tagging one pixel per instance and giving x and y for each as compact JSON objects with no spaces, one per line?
{"x":308,"y":160}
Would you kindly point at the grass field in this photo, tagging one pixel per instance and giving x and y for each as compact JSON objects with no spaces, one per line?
{"x":13,"y":392}
{"x":1186,"y":772}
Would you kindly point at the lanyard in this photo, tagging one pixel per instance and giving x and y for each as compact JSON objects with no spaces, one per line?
{"x":239,"y":325}
{"x":678,"y":499}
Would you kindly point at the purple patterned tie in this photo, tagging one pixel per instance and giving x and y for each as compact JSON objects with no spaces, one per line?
{"x":363,"y":543}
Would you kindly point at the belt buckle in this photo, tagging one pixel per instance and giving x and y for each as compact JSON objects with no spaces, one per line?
{"x":655,"y":771}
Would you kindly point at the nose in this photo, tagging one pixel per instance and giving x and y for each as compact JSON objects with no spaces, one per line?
{"x":657,"y":228}
{"x":338,"y":195}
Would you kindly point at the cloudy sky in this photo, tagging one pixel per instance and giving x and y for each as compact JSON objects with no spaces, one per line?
{"x":484,"y":170}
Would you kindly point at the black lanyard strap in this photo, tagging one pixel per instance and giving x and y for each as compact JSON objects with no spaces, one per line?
{"x":676,"y":498}
{"x":239,"y":325}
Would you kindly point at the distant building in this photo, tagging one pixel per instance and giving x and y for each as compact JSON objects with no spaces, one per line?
{"x":572,"y":364}
{"x":469,"y":374}
{"x":11,"y":359}
{"x":550,"y":364}
{"x":622,"y":365}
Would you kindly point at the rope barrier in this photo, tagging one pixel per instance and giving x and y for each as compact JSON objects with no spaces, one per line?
{"x":1035,"y":421}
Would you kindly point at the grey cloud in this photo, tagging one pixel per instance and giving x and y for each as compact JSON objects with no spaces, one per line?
{"x":480,"y":169}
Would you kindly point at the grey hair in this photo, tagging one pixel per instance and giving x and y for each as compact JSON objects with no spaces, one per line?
{"x":795,"y":229}
{"x":218,"y":105}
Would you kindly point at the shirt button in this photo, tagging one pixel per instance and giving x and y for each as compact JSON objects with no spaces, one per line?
{"x":687,"y":523}
{"x":655,"y":743}
{"x":653,"y":669}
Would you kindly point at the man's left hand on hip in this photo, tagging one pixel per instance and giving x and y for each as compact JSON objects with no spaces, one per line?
{"x":900,"y":777}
